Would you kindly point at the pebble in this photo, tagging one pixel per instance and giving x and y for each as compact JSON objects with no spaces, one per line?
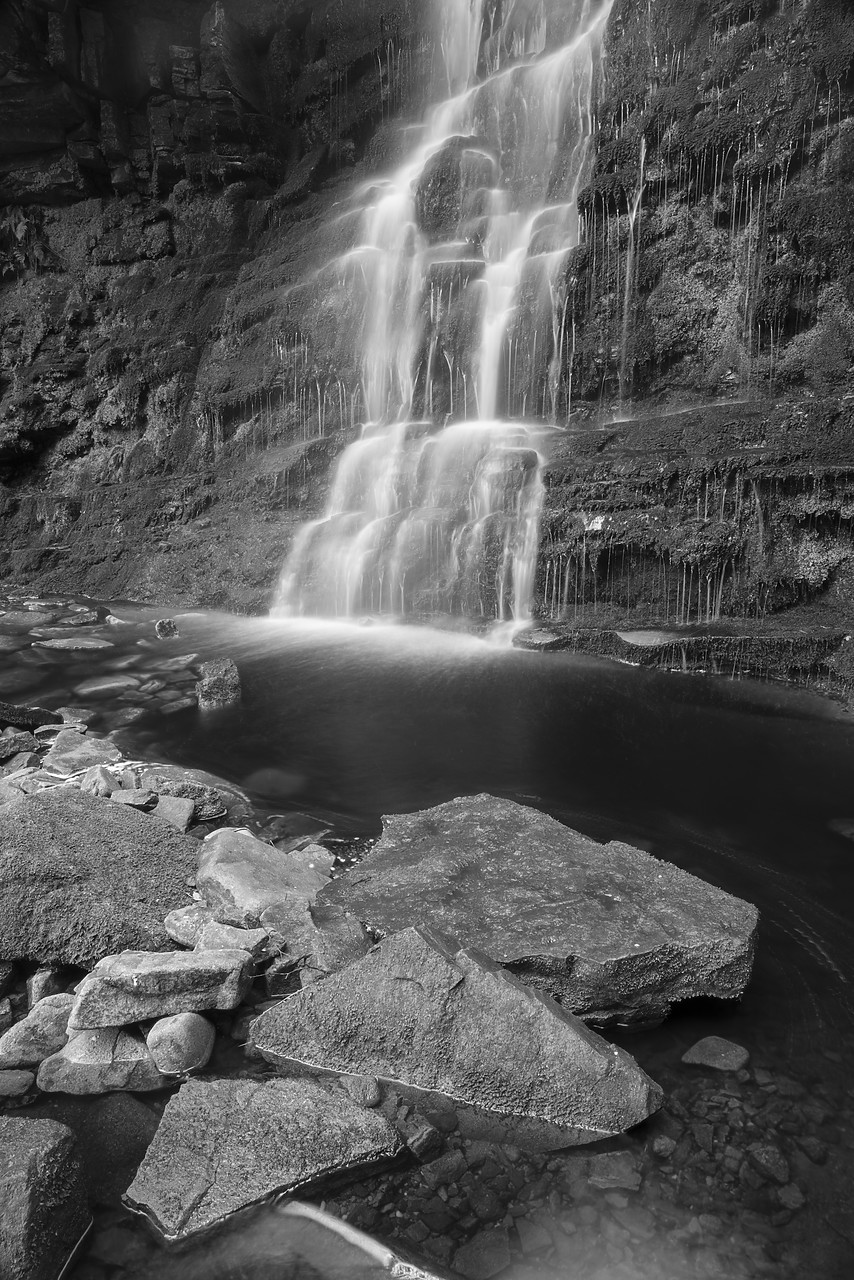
{"x":614,"y":1169}
{"x":105,"y":686}
{"x":135,"y":799}
{"x":769,"y":1161}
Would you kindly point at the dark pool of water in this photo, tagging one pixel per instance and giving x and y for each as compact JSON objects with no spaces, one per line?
{"x":749,"y":786}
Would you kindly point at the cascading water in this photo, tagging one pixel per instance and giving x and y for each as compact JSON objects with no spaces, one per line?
{"x":456,"y":302}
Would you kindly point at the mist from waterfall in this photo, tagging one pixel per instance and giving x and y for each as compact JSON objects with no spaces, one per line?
{"x":456,"y":301}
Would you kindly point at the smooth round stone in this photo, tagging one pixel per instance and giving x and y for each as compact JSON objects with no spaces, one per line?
{"x":717,"y":1053}
{"x":75,"y":642}
{"x":105,"y":686}
{"x":180,"y":1043}
{"x":13,"y":1084}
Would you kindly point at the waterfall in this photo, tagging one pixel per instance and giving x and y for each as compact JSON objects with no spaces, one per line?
{"x":456,"y":300}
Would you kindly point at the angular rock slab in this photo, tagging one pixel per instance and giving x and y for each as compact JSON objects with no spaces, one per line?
{"x":42,"y":1032}
{"x":607,"y":930}
{"x":43,"y":1210}
{"x":241,"y":877}
{"x":81,"y":877}
{"x":100,"y":1061}
{"x":137,"y":985}
{"x":420,"y":1012}
{"x":223,"y":1145}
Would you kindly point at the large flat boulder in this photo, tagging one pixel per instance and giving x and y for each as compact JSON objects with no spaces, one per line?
{"x":137,"y":985}
{"x":43,"y":1210}
{"x":225,"y":1144}
{"x":422,"y":1013}
{"x":607,"y":930}
{"x":81,"y":878}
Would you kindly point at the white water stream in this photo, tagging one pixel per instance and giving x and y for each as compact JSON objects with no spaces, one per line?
{"x":457,"y":285}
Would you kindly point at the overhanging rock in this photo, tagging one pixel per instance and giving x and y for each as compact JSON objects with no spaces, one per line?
{"x":607,"y":930}
{"x":223,"y":1145}
{"x":421,"y":1013}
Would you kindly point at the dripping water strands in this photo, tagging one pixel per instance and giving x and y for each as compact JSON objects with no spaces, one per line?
{"x":455,"y":310}
{"x":631,"y":274}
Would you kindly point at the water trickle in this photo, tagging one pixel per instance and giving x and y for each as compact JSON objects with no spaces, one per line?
{"x":455,"y":295}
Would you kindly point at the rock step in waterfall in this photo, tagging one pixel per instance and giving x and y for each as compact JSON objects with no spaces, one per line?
{"x":453,"y":303}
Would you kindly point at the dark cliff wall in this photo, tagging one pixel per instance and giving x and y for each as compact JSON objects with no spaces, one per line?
{"x":167,"y":175}
{"x":164,"y":171}
{"x":717,"y":270}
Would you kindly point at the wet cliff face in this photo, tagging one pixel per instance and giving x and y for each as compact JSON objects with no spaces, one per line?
{"x":171,"y":172}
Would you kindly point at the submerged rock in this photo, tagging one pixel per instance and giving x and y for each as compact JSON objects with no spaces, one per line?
{"x":81,"y":878}
{"x":72,"y":752}
{"x":99,"y":1061}
{"x":717,"y":1053}
{"x":609,"y":931}
{"x":44,"y":1212}
{"x":419,"y":1011}
{"x":271,"y":1137}
{"x":137,"y":985}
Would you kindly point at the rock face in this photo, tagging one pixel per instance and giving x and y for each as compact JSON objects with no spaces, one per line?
{"x":419,"y":1011}
{"x":137,"y":985}
{"x":607,"y":930}
{"x":81,"y":877}
{"x":271,"y":1137}
{"x":44,"y":1212}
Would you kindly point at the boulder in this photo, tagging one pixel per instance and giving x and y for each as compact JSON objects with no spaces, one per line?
{"x":137,"y":985}
{"x":72,"y":752}
{"x":81,"y":877}
{"x":421,"y":1012}
{"x":608,"y":931}
{"x":44,"y":1212}
{"x":218,"y":685}
{"x":100,"y":1061}
{"x":183,"y":1042}
{"x":240,"y":877}
{"x":26,"y":717}
{"x":42,"y":1033}
{"x":272,"y":1137}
